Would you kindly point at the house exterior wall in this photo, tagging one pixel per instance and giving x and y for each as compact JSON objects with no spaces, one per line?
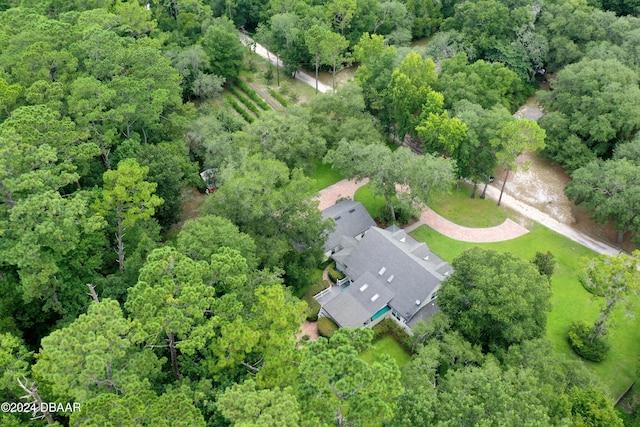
{"x":373,"y":323}
{"x":433,"y":295}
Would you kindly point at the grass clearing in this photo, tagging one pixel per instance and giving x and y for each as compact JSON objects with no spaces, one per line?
{"x":315,"y":284}
{"x":570,"y":301}
{"x":460,"y":208}
{"x":386,"y":345}
{"x":255,"y":72}
{"x":190,"y":208}
{"x":342,"y":76}
{"x":373,"y":203}
{"x":323,"y":175}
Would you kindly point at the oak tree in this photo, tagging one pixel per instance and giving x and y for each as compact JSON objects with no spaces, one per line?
{"x":495,"y":299}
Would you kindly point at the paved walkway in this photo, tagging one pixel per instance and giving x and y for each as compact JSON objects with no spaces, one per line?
{"x":506,"y":231}
{"x":344,"y":189}
{"x":272,"y":57}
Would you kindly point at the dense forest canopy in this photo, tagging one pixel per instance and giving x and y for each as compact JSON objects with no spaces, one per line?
{"x":110,"y":108}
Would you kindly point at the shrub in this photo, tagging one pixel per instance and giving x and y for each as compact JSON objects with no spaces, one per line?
{"x":403,"y":215}
{"x":389,"y":327}
{"x":245,"y":115}
{"x":250,"y":105}
{"x":268,"y":75}
{"x":546,"y":263}
{"x":253,"y":95}
{"x":580,"y":342}
{"x":326,"y":327}
{"x":251,"y":64}
{"x":334,"y":275}
{"x":293,"y":96}
{"x":281,"y":99}
{"x":316,"y":289}
{"x":313,"y":309}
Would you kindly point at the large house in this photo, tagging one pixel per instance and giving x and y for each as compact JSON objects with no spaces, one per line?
{"x":388,"y":273}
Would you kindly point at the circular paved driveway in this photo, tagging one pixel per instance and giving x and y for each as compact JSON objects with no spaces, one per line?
{"x":508,"y":230}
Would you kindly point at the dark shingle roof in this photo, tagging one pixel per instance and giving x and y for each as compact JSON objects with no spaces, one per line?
{"x":351,"y":219}
{"x":359,"y":302}
{"x":346,"y":311}
{"x":398,"y":260}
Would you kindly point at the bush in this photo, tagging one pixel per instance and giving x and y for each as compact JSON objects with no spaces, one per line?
{"x":334,"y":275}
{"x":281,"y":99}
{"x":268,"y":75}
{"x":253,"y":95}
{"x":245,"y":115}
{"x":403,"y":215}
{"x":250,"y":105}
{"x":313,"y":309}
{"x":389,"y":327}
{"x":316,"y":289}
{"x":580,"y":342}
{"x":293,"y":96}
{"x":545,"y":263}
{"x":326,"y":327}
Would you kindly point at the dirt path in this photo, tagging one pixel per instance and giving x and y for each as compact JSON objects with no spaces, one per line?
{"x":536,"y":191}
{"x":271,"y":57}
{"x":309,"y":328}
{"x":549,"y":222}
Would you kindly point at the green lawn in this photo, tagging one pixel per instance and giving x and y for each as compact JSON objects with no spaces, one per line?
{"x":373,"y":203}
{"x":386,"y":345}
{"x":456,"y":206}
{"x":323,"y":175}
{"x":303,"y":91}
{"x":460,"y":208}
{"x":570,"y":300}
